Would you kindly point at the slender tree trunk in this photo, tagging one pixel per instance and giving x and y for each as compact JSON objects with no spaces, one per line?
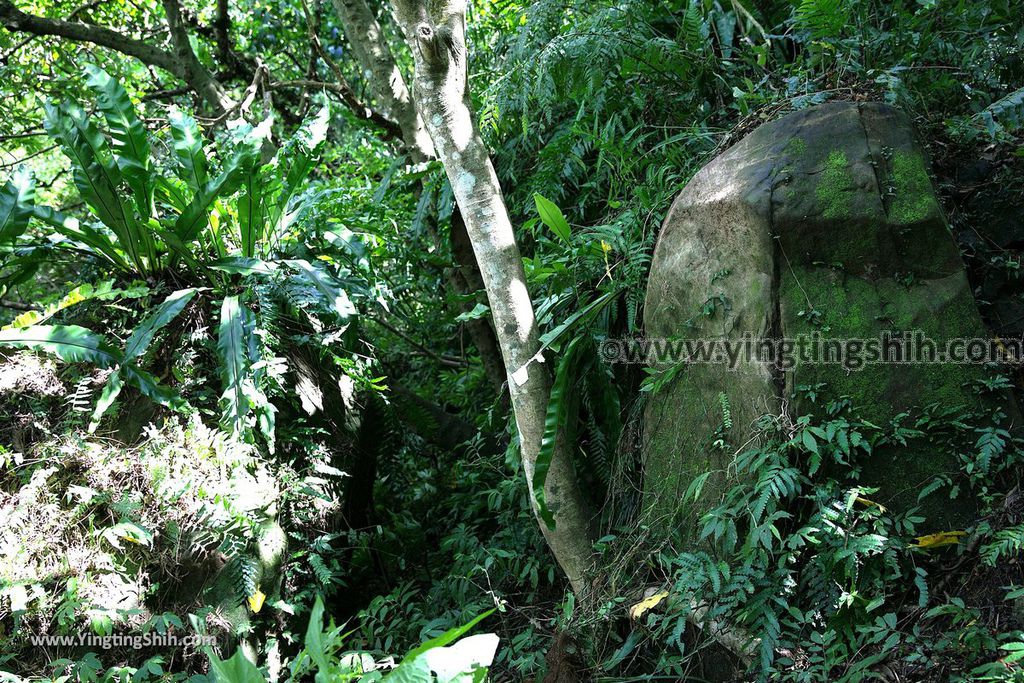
{"x":438,"y":40}
{"x":371,"y":48}
{"x":468,"y":280}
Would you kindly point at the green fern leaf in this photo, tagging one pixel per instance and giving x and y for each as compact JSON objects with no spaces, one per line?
{"x":554,"y":421}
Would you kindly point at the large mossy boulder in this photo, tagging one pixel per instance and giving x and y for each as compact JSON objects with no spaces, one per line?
{"x":824,"y":221}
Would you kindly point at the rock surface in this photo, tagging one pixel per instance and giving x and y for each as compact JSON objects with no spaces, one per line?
{"x":823,"y":221}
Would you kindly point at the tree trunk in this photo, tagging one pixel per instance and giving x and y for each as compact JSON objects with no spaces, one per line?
{"x":437,"y":38}
{"x":367,"y":41}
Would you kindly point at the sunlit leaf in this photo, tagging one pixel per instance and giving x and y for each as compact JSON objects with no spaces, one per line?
{"x":552,"y":217}
{"x":16,"y":198}
{"x":647,"y":604}
{"x":939,"y":539}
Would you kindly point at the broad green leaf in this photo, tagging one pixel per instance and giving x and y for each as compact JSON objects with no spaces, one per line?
{"x":335,"y":297}
{"x":177,"y":246}
{"x":70,"y":343}
{"x":233,"y":356}
{"x":550,"y":337}
{"x":445,"y":638}
{"x":411,"y":670}
{"x":127,"y":531}
{"x":70,"y":227}
{"x":809,"y":442}
{"x":152,"y":389}
{"x":188,"y":149}
{"x":465,"y":661}
{"x":111,"y":390}
{"x":552,"y":217}
{"x":194,"y":218}
{"x":130,"y":140}
{"x":313,"y":131}
{"x":1008,"y":111}
{"x":479,"y":311}
{"x":252,"y":212}
{"x":243,"y":266}
{"x":236,"y":669}
{"x":265,"y":410}
{"x":314,"y":636}
{"x":23,"y":267}
{"x":294,"y":162}
{"x":97,"y":177}
{"x":627,"y":647}
{"x":16,"y":199}
{"x":142,"y":335}
{"x":174,"y":192}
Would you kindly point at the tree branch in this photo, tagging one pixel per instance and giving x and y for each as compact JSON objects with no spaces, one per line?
{"x":447,"y":361}
{"x":182,"y":63}
{"x":166,"y":94}
{"x":195,"y":74}
{"x":16,"y":21}
{"x":71,"y":15}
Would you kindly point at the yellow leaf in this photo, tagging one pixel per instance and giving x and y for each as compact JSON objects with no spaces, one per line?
{"x":637,"y":610}
{"x":940,"y":539}
{"x":870,"y":503}
{"x":605,"y":247}
{"x":256,"y":600}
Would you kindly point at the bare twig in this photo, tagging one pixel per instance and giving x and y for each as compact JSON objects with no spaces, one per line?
{"x":30,"y":133}
{"x":346,"y":95}
{"x":342,"y":88}
{"x":444,"y":360}
{"x":25,"y":158}
{"x":18,"y":305}
{"x":166,"y":94}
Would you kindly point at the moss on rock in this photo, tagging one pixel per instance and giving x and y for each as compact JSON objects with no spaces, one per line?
{"x":913,"y":200}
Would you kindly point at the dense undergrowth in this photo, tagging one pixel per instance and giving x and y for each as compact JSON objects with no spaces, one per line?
{"x":309,"y":438}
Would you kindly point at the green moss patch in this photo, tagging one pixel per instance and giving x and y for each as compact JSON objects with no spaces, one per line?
{"x":914,"y":199}
{"x":833,"y":189}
